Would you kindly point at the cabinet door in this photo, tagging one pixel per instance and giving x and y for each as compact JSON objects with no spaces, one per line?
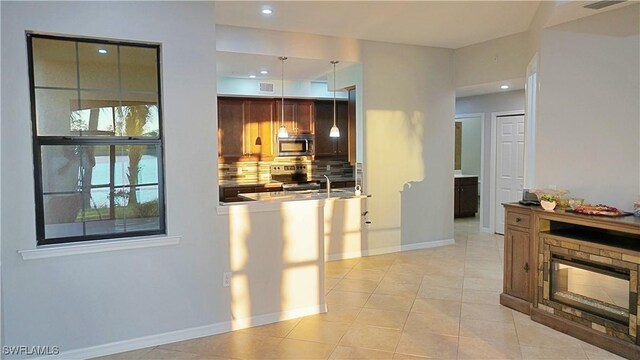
{"x":260,"y":120}
{"x":324,"y":145}
{"x":303,"y":123}
{"x":342,"y":121}
{"x":456,"y":199}
{"x":517,"y":262}
{"x":469,"y":199}
{"x":230,"y":128}
{"x":289,"y":116}
{"x":328,"y":147}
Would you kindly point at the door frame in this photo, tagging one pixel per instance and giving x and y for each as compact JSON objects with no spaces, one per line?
{"x":492,"y":166}
{"x":482,"y":145}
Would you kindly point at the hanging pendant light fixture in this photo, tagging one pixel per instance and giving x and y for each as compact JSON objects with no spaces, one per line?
{"x":258,"y":139}
{"x":282,"y":131}
{"x":334,"y":132}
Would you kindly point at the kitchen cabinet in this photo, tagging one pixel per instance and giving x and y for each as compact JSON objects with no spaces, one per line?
{"x":231,"y":114}
{"x":518,"y":267}
{"x":240,"y":121}
{"x":232,"y":193}
{"x":349,"y":184}
{"x":298,"y":116}
{"x":325,"y":146}
{"x":259,"y":122}
{"x":465,"y":196}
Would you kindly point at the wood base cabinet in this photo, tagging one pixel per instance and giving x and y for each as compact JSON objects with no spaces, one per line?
{"x":465,"y":194}
{"x":519,"y":274}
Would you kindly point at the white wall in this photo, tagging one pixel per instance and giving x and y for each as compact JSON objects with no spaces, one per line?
{"x":86,"y":300}
{"x":407,"y":106}
{"x":588,"y":127}
{"x":487,"y":104}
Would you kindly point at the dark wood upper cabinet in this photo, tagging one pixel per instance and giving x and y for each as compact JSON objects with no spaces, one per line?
{"x":230,"y":128}
{"x":298,"y":115}
{"x":352,"y":125}
{"x":242,"y":120}
{"x":325,"y":146}
{"x":260,"y":123}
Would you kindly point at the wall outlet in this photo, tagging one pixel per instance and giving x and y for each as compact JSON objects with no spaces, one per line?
{"x":328,"y":167}
{"x":226,"y":279}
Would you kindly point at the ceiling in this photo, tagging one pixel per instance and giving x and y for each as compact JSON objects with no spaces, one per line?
{"x":447,"y":24}
{"x":239,"y":65}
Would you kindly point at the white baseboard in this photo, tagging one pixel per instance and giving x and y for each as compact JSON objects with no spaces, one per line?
{"x":185,"y":334}
{"x":343,"y":256}
{"x":390,"y":249}
{"x":486,"y":230}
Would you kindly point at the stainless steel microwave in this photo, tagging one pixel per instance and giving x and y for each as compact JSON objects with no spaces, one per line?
{"x":296,"y":145}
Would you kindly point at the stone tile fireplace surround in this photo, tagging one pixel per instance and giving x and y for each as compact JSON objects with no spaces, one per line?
{"x":589,"y":311}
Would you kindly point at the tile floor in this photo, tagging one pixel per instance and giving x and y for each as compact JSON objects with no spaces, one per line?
{"x":437,"y":303}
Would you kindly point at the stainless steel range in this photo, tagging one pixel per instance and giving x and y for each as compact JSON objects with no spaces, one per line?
{"x":293,"y":176}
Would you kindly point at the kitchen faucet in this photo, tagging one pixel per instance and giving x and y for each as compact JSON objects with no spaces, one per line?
{"x":328,"y":186}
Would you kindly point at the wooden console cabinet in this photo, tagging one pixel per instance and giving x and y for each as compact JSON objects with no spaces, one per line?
{"x":536,"y":241}
{"x":519,"y":271}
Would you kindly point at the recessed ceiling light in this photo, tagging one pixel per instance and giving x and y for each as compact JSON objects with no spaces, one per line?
{"x":102,"y":51}
{"x":252,"y":76}
{"x":504,"y":87}
{"x":264,"y":72}
{"x":266,"y":11}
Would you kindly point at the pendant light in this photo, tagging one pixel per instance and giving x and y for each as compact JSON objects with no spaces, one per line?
{"x":258,"y":139}
{"x":335,"y":132}
{"x":282,"y":132}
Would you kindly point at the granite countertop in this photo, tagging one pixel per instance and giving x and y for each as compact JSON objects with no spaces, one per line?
{"x":463,"y":176}
{"x":231,"y":183}
{"x":303,"y":195}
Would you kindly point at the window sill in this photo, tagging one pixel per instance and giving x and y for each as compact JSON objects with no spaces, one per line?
{"x":49,"y":251}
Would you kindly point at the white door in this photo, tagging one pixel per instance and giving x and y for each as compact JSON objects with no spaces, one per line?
{"x":509,"y":164}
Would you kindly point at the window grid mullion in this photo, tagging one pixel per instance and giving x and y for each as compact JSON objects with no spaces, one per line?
{"x":39,"y":142}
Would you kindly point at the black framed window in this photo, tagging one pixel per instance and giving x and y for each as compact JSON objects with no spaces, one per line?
{"x":97,"y":138}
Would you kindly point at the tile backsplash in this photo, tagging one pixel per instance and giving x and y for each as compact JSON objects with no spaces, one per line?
{"x":260,"y":171}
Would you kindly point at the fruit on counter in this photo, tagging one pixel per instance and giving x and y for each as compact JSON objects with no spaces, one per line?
{"x":599,"y":209}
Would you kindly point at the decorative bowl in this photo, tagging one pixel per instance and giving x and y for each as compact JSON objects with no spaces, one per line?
{"x":548,"y":205}
{"x":575,"y":202}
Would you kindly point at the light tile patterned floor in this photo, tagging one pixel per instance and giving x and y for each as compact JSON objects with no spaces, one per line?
{"x":437,"y":303}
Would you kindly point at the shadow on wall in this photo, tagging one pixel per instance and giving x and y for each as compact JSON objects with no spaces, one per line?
{"x":394,"y":157}
{"x":277,"y":262}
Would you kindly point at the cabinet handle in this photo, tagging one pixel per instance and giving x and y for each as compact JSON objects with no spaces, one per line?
{"x":526,"y":267}
{"x":518,"y":219}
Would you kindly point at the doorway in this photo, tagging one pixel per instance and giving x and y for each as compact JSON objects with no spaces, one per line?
{"x":508,"y":172}
{"x":469,"y":130}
